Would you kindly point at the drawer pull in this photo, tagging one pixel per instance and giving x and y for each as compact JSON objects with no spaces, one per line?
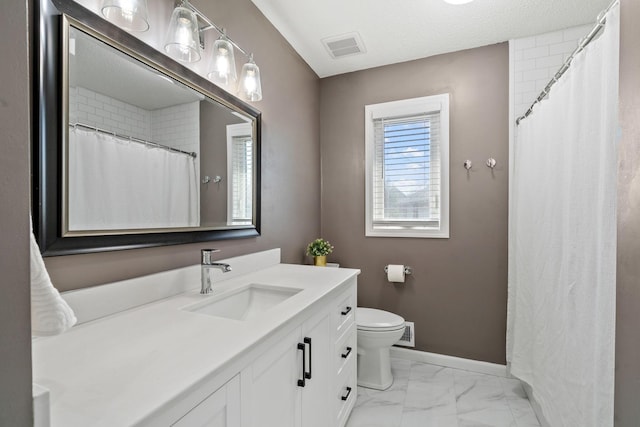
{"x":346,"y":353}
{"x":303,"y":347}
{"x":346,"y":311}
{"x":346,"y":396}
{"x":307,"y":375}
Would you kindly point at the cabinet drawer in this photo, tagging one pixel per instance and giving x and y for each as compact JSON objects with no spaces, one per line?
{"x":345,"y":396}
{"x":345,"y":311}
{"x":346,"y":350}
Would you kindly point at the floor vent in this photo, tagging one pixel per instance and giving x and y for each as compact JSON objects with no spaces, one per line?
{"x":408,"y":338}
{"x":344,"y":45}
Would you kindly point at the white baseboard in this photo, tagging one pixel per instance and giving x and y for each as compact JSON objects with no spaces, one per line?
{"x":450,"y":361}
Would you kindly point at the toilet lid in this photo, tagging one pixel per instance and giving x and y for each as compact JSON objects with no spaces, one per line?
{"x":373,"y":319}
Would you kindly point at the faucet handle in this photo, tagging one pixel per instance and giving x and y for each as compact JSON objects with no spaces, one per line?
{"x":206,"y":255}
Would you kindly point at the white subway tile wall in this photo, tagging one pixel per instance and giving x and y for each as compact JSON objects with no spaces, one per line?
{"x":177,"y":126}
{"x":535,"y":60}
{"x":94,"y":109}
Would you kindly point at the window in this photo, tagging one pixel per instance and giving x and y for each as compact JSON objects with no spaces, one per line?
{"x":240,"y":173}
{"x":407,"y":168}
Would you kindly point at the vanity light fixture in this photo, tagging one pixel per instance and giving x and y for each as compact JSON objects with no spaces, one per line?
{"x":184,"y":42}
{"x":223,"y":63}
{"x":250,"y":88}
{"x":183,"y":36}
{"x":131,"y":15}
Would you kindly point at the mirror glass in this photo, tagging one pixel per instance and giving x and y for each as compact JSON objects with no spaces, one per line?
{"x":146,"y":152}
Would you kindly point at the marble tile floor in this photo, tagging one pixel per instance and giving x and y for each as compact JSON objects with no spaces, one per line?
{"x":424,"y":395}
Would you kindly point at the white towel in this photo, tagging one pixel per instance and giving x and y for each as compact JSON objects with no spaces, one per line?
{"x":50,"y":314}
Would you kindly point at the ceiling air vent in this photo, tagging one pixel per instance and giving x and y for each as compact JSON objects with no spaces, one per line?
{"x":344,"y":45}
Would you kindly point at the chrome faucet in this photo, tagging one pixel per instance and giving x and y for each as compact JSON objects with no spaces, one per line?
{"x":205,"y":265}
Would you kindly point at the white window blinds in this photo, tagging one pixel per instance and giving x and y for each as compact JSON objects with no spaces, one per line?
{"x":242,"y":179}
{"x":407,"y":168}
{"x":406,"y":184}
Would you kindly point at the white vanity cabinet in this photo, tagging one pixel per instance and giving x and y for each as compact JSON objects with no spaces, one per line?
{"x":289,"y":385}
{"x":297,"y":381}
{"x":316,"y":406}
{"x":343,"y":356}
{"x":176,"y":366}
{"x":220,"y":409}
{"x":269,"y":386}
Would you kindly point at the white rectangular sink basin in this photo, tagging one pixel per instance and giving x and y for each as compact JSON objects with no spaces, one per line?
{"x":245,"y":303}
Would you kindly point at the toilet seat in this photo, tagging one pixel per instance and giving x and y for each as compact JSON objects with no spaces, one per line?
{"x":371,"y":319}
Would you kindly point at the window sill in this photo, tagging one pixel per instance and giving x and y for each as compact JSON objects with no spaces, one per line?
{"x":411,"y":233}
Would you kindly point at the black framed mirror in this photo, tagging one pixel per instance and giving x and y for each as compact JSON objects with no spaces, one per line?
{"x":133,"y":149}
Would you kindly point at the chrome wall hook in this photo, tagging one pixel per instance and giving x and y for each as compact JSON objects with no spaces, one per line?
{"x":468,"y":164}
{"x":207,"y":179}
{"x":491,"y":162}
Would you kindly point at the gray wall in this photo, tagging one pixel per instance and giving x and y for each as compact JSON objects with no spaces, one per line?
{"x":627,"y":410}
{"x":15,"y":321}
{"x":457,"y":293}
{"x":213,"y":161}
{"x":290,"y":159}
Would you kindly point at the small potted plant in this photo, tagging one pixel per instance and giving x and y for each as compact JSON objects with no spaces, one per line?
{"x":319,"y":249}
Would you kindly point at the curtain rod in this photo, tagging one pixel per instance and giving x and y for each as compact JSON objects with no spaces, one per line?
{"x":600,"y":22}
{"x":131,"y":138}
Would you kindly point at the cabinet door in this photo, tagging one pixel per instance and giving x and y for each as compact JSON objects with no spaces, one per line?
{"x":316,"y":406}
{"x":220,"y":409}
{"x":274,"y":394}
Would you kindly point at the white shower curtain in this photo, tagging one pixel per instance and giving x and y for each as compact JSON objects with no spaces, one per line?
{"x":562,"y":241}
{"x":119,"y":184}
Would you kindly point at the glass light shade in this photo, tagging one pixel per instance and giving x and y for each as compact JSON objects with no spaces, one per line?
{"x":183,"y":37}
{"x":223,"y":63}
{"x":249,"y":86}
{"x":130,"y":15}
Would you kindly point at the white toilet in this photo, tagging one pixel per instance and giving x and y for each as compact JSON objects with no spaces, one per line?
{"x":378,"y":330}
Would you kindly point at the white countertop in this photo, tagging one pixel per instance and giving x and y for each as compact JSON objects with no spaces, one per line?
{"x":117,"y":370}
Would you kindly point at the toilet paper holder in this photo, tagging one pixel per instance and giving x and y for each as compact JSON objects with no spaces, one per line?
{"x":407,"y":269}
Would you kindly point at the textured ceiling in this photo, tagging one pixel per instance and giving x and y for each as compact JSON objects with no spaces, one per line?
{"x":401,"y":30}
{"x":102,"y":69}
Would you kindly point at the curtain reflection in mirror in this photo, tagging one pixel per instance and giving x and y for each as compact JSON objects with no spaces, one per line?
{"x":146,"y":187}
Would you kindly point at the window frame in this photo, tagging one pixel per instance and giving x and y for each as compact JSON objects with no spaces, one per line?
{"x":233,"y":131}
{"x":400,"y":108}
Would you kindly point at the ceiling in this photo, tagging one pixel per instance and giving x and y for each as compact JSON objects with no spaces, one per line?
{"x":96,"y":66}
{"x":401,"y":30}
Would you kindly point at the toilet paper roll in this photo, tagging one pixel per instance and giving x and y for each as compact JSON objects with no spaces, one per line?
{"x":395,"y":273}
